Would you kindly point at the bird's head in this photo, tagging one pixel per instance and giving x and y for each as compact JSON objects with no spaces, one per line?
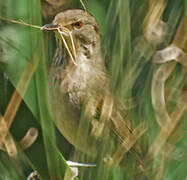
{"x":78,"y":33}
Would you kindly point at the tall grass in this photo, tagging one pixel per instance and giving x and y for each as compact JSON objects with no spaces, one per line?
{"x":149,"y":81}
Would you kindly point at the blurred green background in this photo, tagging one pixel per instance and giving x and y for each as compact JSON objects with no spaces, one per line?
{"x":129,"y":44}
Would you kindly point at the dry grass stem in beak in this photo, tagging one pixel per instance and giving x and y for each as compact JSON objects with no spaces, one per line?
{"x":72,"y":42}
{"x":63,"y":31}
{"x":49,"y":27}
{"x":73,"y":45}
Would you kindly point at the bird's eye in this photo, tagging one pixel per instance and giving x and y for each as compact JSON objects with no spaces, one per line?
{"x":78,"y":25}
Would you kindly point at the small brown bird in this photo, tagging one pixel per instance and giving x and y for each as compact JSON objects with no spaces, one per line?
{"x":79,"y":82}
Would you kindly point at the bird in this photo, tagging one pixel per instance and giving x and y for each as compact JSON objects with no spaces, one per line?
{"x":80,"y":84}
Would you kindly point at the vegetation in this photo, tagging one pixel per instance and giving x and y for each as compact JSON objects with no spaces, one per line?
{"x":144,"y":45}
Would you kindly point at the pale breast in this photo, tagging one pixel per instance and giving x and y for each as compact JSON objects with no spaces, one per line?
{"x":81,"y":81}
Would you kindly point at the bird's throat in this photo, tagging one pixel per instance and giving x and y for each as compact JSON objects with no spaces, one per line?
{"x":78,"y":81}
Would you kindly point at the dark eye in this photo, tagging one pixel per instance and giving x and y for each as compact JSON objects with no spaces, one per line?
{"x":78,"y":25}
